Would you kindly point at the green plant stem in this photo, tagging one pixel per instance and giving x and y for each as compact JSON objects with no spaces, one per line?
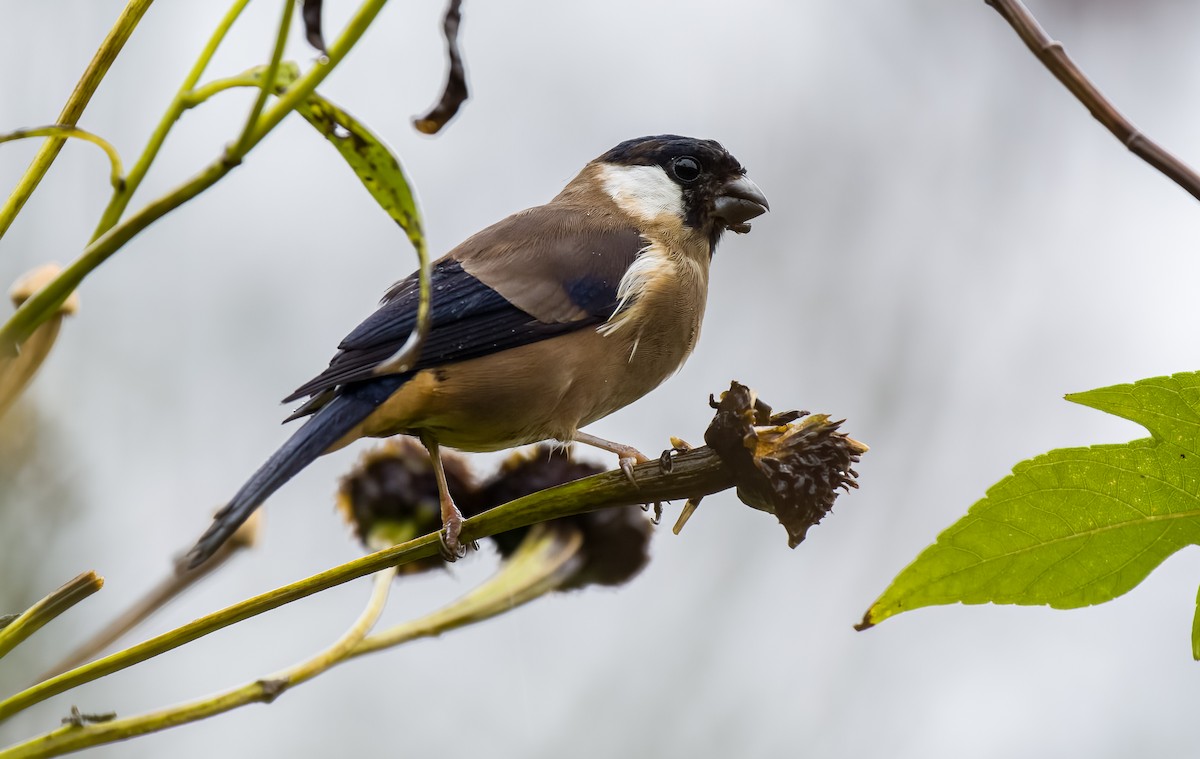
{"x":178,"y":582}
{"x":38,"y":308}
{"x":695,"y":473}
{"x":71,"y":738}
{"x":306,"y":84}
{"x":268,"y":81}
{"x":545,"y":559}
{"x":76,"y":103}
{"x":16,"y":631}
{"x":197,"y":96}
{"x":63,"y":131}
{"x":47,"y":300}
{"x":120,"y":200}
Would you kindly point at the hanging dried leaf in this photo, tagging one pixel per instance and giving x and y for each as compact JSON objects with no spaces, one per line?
{"x":455,"y":93}
{"x":17,"y":369}
{"x":311,"y":11}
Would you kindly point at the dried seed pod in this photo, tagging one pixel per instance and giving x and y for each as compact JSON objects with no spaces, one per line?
{"x":615,"y":541}
{"x":790,"y":464}
{"x":393,"y":484}
{"x":19,"y":363}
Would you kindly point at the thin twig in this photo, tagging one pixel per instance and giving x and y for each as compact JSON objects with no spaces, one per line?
{"x":541,"y":563}
{"x":64,"y":131}
{"x":697,"y":472}
{"x":1052,"y":55}
{"x":180,"y":580}
{"x":101,"y":61}
{"x":200,"y":94}
{"x":120,"y":200}
{"x":268,"y":81}
{"x":305,"y":85}
{"x":38,"y":308}
{"x":75,"y":737}
{"x":12,"y":634}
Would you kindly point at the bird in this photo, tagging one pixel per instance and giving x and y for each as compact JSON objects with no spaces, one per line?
{"x":541,"y":324}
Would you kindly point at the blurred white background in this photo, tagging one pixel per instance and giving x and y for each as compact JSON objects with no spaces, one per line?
{"x":954,"y":243}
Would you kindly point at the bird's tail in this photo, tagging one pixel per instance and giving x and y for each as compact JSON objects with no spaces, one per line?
{"x":315,"y":437}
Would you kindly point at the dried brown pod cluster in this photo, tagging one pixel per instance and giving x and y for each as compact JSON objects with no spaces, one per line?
{"x":615,"y":541}
{"x":790,"y":464}
{"x":394,"y":485}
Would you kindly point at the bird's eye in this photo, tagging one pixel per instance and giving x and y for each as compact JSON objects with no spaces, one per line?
{"x":686,"y":168}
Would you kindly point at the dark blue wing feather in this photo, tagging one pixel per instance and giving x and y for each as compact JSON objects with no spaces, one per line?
{"x":469,"y":320}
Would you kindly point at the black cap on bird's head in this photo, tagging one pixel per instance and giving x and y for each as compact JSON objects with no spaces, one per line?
{"x":713,"y":183}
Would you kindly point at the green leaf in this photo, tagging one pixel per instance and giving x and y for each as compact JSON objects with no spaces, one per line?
{"x":376,"y":167}
{"x":374,"y":163}
{"x":380,"y":172}
{"x":1075,"y":526}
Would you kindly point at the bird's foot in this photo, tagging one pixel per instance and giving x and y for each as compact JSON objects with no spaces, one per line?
{"x":628,"y":455}
{"x":628,"y":462}
{"x":449,"y":546}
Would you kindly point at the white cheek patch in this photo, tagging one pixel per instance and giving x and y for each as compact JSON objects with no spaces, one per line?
{"x":644,"y":192}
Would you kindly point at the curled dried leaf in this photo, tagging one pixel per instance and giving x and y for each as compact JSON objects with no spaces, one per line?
{"x":311,"y":12}
{"x":18,"y":365}
{"x":455,"y":93}
{"x":34,"y":280}
{"x":789,"y":464}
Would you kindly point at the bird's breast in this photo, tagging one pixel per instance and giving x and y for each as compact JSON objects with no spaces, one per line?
{"x":661,"y":301}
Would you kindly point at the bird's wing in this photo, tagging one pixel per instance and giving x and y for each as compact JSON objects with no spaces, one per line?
{"x":504,"y":287}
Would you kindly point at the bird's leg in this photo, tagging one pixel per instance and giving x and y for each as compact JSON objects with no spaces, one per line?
{"x":452,"y":518}
{"x":628,"y":454}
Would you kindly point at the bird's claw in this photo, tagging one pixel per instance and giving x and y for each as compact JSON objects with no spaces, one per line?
{"x":629,"y":458}
{"x":627,"y":463}
{"x":667,"y":459}
{"x":449,"y":546}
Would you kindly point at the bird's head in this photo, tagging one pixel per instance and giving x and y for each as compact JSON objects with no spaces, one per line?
{"x":696,"y":182}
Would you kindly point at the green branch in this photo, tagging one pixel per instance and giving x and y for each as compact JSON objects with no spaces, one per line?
{"x":16,"y":631}
{"x":63,"y":131}
{"x":38,"y":308}
{"x":120,"y":200}
{"x":76,"y":103}
{"x":695,"y":473}
{"x":75,"y":737}
{"x":197,"y":96}
{"x":268,"y":81}
{"x":307,"y":84}
{"x":543,"y":561}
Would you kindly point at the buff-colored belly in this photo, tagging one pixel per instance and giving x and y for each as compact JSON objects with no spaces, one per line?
{"x":523,"y":395}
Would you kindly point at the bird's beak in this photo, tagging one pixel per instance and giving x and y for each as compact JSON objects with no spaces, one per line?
{"x":740,"y":201}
